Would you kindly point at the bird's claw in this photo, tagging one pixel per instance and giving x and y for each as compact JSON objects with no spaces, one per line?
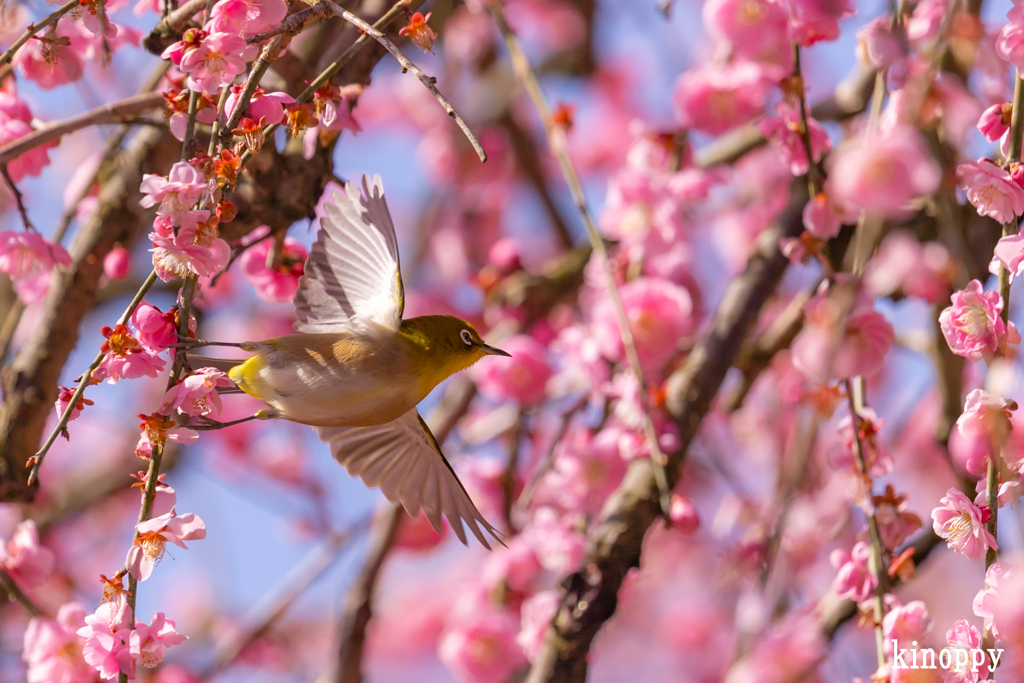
{"x":186,"y":343}
{"x":205,"y":424}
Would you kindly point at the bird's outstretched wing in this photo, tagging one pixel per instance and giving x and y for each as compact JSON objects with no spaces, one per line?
{"x":352,"y":275}
{"x":403,"y":459}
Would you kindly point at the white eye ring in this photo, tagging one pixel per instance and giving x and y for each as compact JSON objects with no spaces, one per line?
{"x":466,"y":337}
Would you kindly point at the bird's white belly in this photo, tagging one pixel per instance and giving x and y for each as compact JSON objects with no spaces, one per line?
{"x":332,"y":397}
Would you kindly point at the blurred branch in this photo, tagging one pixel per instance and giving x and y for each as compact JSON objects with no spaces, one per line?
{"x":11,"y":589}
{"x":108,"y":113}
{"x":589,"y":597}
{"x":274,"y":604}
{"x":358,"y":602}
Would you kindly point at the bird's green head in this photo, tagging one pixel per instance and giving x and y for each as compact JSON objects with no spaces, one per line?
{"x":447,"y":344}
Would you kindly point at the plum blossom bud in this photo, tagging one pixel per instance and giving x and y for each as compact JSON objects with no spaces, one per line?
{"x":53,"y":650}
{"x":995,"y":121}
{"x":117,"y":263}
{"x":684,"y":515}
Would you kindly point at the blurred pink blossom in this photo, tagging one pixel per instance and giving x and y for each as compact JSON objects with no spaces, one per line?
{"x":964,"y":639}
{"x":902,"y":264}
{"x":1001,"y":601}
{"x":277,"y":284}
{"x":811,"y":21}
{"x":784,"y":132}
{"x":985,"y":414}
{"x":246,"y":18}
{"x":854,"y":580}
{"x":1009,"y":253}
{"x":877,"y":458}
{"x":906,"y":623}
{"x":877,"y":45}
{"x":53,"y":650}
{"x":117,"y":263}
{"x":522,"y":378}
{"x":29,"y":260}
{"x":514,"y":566}
{"x":26,"y":561}
{"x":788,"y":651}
{"x":558,"y":545}
{"x":660,"y":315}
{"x":883,"y":173}
{"x":1010,"y":45}
{"x":962,"y":524}
{"x":536,"y":614}
{"x":715,"y":98}
{"x":927,"y":19}
{"x":683,"y":512}
{"x":481,"y":647}
{"x":755,"y":29}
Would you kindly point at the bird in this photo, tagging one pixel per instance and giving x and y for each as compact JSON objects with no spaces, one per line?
{"x":355,"y":370}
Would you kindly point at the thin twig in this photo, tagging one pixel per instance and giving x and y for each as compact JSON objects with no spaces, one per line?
{"x":36,"y":461}
{"x":108,"y":113}
{"x":11,"y":588}
{"x":33,"y":29}
{"x":294,"y":23}
{"x":190,"y":125}
{"x":557,"y":142}
{"x":18,"y":198}
{"x":429,"y":82}
{"x":252,"y":81}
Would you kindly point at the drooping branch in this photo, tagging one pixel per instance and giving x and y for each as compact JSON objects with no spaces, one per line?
{"x":589,"y":597}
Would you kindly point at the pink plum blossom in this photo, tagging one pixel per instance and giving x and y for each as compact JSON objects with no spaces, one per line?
{"x":927,"y":19}
{"x":264,"y":106}
{"x":29,"y":260}
{"x":559,"y":547}
{"x":157,"y":431}
{"x":991,"y":190}
{"x":964,"y":639}
{"x":906,"y":623}
{"x":822,"y":218}
{"x":1008,"y":253}
{"x":822,"y":352}
{"x":962,"y":524}
{"x":1001,"y":601}
{"x":973,"y":327}
{"x":877,"y":459}
{"x":514,"y":566}
{"x":246,"y":18}
{"x":481,"y":647}
{"x":877,"y":45}
{"x":64,"y":400}
{"x":854,"y":580}
{"x":895,"y":522}
{"x":1010,"y":45}
{"x":53,"y":649}
{"x":660,"y":315}
{"x":149,"y":642}
{"x":986,"y":415}
{"x":32,"y":162}
{"x":811,"y":21}
{"x":902,"y":264}
{"x":791,"y":648}
{"x":197,"y":393}
{"x":215,"y":63}
{"x":106,"y":635}
{"x":278,"y":283}
{"x":756,"y":29}
{"x":55,"y":57}
{"x":883,"y":173}
{"x":1008,"y":492}
{"x":148,"y":549}
{"x":714,"y":98}
{"x":28,"y":563}
{"x":157,"y":330}
{"x":784,"y":132}
{"x":185,"y":253}
{"x":522,"y":378}
{"x":536,"y":614}
{"x":176,"y":194}
{"x":585,"y":471}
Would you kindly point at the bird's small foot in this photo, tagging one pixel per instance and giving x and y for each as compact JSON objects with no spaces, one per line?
{"x":187,"y":343}
{"x":206,"y":424}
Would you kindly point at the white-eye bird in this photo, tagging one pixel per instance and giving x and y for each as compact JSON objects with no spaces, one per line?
{"x":356,"y":370}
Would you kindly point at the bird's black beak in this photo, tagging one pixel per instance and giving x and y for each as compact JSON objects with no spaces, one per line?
{"x":494,"y":351}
